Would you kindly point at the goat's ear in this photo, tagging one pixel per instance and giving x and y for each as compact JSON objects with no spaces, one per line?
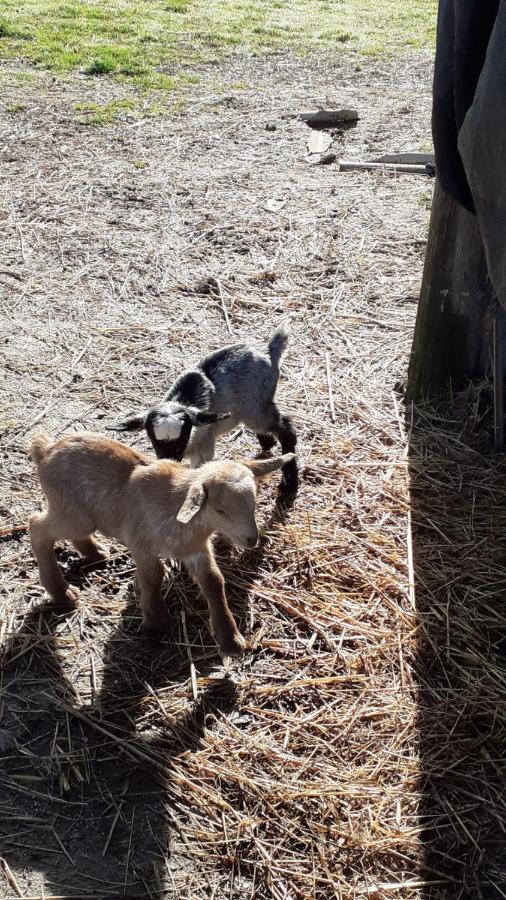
{"x":198,"y":417}
{"x":195,"y":499}
{"x":262,"y":467}
{"x":131,"y":423}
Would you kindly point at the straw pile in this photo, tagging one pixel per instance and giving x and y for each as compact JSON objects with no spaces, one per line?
{"x":354,"y":753}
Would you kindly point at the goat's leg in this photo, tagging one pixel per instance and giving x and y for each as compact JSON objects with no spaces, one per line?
{"x":149,"y":580}
{"x":42,"y":537}
{"x":90,"y":549}
{"x":204,"y":569}
{"x":283,"y":428}
{"x":266,"y":441}
{"x":202,"y":450}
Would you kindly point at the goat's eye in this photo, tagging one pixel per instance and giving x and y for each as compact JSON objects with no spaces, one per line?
{"x":221,"y":512}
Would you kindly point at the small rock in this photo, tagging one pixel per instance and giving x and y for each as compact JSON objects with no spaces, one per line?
{"x":325,"y":160}
{"x":275,"y":205}
{"x":319,"y":142}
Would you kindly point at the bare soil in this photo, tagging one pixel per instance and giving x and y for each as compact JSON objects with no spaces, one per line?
{"x":298,"y":772}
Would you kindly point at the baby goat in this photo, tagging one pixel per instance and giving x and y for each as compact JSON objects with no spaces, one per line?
{"x":231,"y":386}
{"x":158,"y":509}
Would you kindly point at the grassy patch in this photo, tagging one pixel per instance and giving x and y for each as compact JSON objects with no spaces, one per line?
{"x":103,"y":65}
{"x":14,"y":108}
{"x":103,"y":113}
{"x":178,"y":6}
{"x":133,"y":34}
{"x":8,"y":31}
{"x":153,"y":44}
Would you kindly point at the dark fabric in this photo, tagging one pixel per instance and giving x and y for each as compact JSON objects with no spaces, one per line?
{"x":482,"y":145}
{"x":463,"y":32}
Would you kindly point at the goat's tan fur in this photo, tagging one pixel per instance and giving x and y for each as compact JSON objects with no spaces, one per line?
{"x":156,"y":508}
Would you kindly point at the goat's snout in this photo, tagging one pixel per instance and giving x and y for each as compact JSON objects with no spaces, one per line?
{"x":249,"y":538}
{"x":244,"y":538}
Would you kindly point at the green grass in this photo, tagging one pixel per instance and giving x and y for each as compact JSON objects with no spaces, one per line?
{"x":14,"y":108}
{"x":103,"y":113}
{"x":151,"y":43}
{"x":102,"y":65}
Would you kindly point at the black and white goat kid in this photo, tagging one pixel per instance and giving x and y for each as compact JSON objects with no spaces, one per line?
{"x":230,"y":387}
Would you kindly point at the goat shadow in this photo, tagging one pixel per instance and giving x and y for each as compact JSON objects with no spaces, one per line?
{"x":458,"y":494}
{"x":86,"y":789}
{"x":250,"y":562}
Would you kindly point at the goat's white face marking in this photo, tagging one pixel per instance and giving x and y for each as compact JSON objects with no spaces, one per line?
{"x":167,"y":428}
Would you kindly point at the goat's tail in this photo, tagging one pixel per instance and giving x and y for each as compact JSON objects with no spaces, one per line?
{"x":38,"y":448}
{"x":278,"y":343}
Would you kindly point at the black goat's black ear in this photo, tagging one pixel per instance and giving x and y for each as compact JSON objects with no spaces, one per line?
{"x":131,"y":423}
{"x":207,"y":418}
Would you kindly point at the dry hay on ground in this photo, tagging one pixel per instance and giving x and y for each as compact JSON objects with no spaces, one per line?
{"x":336,"y":760}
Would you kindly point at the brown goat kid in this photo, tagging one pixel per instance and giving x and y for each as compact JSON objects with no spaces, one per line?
{"x":157,"y":509}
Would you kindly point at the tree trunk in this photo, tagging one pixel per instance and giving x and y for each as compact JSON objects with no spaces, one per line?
{"x":453,"y":329}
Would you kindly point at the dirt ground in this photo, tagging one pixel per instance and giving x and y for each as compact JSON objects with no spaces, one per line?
{"x":296,"y":773}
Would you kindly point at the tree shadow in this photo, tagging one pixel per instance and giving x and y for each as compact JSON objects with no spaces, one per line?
{"x":458,"y":508}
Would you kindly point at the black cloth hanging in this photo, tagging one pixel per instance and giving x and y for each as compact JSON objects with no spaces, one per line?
{"x":463,"y":33}
{"x":482,"y":147}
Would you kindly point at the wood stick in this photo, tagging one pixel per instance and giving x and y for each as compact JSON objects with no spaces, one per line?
{"x":224,"y":308}
{"x":328,"y":117}
{"x":498,"y":383}
{"x":129,"y":748}
{"x":129,"y":849}
{"x":12,"y":529}
{"x":411,"y":564}
{"x":329,"y":385}
{"x":21,"y":242}
{"x":405,"y":168}
{"x":11,"y":878}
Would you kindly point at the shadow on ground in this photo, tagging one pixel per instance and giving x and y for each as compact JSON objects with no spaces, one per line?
{"x":458,"y":500}
{"x":86,"y":788}
{"x":86,"y":797}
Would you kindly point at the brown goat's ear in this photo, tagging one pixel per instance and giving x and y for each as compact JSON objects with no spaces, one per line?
{"x":262,"y":467}
{"x":195,"y":499}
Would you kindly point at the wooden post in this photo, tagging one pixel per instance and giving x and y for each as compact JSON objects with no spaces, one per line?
{"x":498,"y":380}
{"x":453,"y":331}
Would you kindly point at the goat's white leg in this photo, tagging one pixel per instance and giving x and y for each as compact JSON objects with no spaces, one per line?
{"x":203,"y":451}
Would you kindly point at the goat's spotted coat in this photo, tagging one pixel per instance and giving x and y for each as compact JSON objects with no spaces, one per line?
{"x":232,"y":386}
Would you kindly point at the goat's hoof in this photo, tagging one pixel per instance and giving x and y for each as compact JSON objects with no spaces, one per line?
{"x":68,"y":599}
{"x":288,"y":487}
{"x":156,"y":622}
{"x":234,"y":645}
{"x":99,"y":554}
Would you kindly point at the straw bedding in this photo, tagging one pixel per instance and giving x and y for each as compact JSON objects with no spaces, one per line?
{"x":358,"y":751}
